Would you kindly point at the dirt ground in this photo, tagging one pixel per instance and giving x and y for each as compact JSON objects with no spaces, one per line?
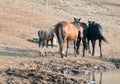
{"x":21,"y":19}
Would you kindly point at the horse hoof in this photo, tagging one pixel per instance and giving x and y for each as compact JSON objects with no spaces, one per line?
{"x":45,"y":54}
{"x":100,"y":56}
{"x":39,"y":54}
{"x":83,"y":56}
{"x":61,"y":56}
{"x":77,"y":53}
{"x":66,"y":55}
{"x":42,"y":55}
{"x":76,"y":56}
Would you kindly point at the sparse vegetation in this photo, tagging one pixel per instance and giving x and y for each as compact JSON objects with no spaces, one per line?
{"x":21,"y":19}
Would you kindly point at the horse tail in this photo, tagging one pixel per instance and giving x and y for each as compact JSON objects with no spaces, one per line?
{"x":100,"y":32}
{"x":104,"y":39}
{"x":59,"y":33}
{"x":39,"y":35}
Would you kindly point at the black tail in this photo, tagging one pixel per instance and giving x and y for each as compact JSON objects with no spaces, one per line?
{"x":39,"y":34}
{"x":104,"y":39}
{"x":58,"y":33}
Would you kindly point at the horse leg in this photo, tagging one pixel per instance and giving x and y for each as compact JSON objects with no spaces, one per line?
{"x":39,"y":42}
{"x":93,"y":47}
{"x":46,"y":47}
{"x":62,"y":47}
{"x":84,"y":46}
{"x":100,"y":41}
{"x":61,"y":50}
{"x":40,"y":46}
{"x":67,"y":48}
{"x":60,"y":42}
{"x":43,"y":46}
{"x":78,"y":45}
{"x":75,"y":48}
{"x":89,"y":51}
{"x":52,"y":47}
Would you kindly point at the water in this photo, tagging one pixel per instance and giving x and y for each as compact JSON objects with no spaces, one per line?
{"x":108,"y":77}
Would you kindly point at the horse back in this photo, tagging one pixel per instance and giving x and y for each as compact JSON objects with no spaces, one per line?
{"x":46,"y":34}
{"x":95,"y":31}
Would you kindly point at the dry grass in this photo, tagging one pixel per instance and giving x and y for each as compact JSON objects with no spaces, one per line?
{"x":21,"y":19}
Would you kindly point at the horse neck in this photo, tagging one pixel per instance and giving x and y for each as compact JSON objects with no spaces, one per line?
{"x":91,"y":25}
{"x":74,"y":24}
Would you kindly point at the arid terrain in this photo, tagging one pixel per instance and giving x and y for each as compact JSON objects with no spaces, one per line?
{"x":21,"y":19}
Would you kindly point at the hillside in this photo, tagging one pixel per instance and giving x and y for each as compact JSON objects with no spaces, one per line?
{"x":21,"y":19}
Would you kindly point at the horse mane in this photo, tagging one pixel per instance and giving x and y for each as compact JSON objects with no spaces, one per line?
{"x":84,"y":25}
{"x":73,"y":23}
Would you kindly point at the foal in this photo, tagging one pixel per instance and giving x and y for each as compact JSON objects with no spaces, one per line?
{"x":45,"y":35}
{"x":94,"y":33}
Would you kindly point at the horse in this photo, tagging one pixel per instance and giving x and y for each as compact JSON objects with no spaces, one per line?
{"x":84,"y":38}
{"x":95,"y":33}
{"x":66,"y":31}
{"x":45,"y":35}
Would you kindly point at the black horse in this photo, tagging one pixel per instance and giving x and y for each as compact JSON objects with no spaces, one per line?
{"x":94,"y":33}
{"x":84,"y":38}
{"x":45,"y":35}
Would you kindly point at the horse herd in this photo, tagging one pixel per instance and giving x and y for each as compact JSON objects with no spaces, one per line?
{"x":76,"y":31}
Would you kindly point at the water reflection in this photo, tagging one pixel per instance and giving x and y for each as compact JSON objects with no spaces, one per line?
{"x":107,"y":77}
{"x":92,"y":78}
{"x":100,"y":82}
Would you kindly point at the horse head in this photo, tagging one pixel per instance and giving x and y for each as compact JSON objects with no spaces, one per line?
{"x":79,"y":26}
{"x":90,"y":23}
{"x":77,"y":22}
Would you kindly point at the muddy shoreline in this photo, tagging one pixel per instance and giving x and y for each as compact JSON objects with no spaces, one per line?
{"x":52,"y":70}
{"x":116,"y":62}
{"x":33,"y":69}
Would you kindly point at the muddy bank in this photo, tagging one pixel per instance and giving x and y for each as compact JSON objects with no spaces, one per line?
{"x":38,"y":76}
{"x":116,"y":62}
{"x":51,"y":70}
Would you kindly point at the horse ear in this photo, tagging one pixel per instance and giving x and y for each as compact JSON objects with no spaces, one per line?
{"x":74,"y":19}
{"x":93,"y":22}
{"x":79,"y":19}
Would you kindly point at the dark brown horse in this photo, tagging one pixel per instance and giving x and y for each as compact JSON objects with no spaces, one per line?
{"x":83,"y":39}
{"x":66,"y":31}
